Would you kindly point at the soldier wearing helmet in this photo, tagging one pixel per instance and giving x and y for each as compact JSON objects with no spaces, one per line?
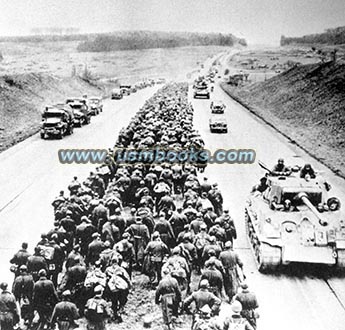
{"x":65,"y":311}
{"x":307,"y":170}
{"x":230,"y":260}
{"x":214,"y":277}
{"x":280,"y":168}
{"x":203,"y":297}
{"x":8,"y":309}
{"x":141,"y":236}
{"x":236,"y":321}
{"x":156,"y":251}
{"x":22,"y":289}
{"x":168,"y":294}
{"x":117,"y":295}
{"x":213,"y":245}
{"x":44,"y":297}
{"x":249,"y":304}
{"x":36,"y":262}
{"x":20,"y":258}
{"x":97,"y":310}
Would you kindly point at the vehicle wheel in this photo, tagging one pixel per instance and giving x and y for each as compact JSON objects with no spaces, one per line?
{"x":42,"y":136}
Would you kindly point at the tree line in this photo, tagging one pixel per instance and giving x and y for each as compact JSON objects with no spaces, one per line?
{"x":130,"y":40}
{"x":334,"y":36}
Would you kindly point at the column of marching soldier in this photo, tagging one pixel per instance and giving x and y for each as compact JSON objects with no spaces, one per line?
{"x":139,"y":218}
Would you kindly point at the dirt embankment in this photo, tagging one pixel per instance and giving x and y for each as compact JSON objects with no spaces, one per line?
{"x":23,"y":97}
{"x":307,"y":104}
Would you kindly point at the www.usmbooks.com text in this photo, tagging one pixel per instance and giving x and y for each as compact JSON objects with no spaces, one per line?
{"x":130,"y":156}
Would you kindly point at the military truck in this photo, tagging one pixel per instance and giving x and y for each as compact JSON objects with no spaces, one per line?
{"x":125,"y":89}
{"x":116,"y":94}
{"x":295,"y":221}
{"x":81,"y":111}
{"x":95,"y":105}
{"x":57,"y":121}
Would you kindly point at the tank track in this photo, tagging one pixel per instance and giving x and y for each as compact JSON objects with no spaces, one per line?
{"x":267,"y":257}
{"x":341,"y":259}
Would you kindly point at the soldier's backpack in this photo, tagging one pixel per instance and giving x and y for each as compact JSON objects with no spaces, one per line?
{"x":47,"y":252}
{"x":95,"y":310}
{"x":200,"y":242}
{"x":176,"y":269}
{"x":116,"y":283}
{"x":95,"y":277}
{"x":240,"y":325}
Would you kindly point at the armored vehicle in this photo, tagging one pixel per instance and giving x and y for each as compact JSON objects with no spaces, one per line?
{"x":293,"y":220}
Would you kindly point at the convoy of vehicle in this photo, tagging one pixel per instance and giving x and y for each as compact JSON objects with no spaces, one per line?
{"x":59,"y":120}
{"x":294,"y":220}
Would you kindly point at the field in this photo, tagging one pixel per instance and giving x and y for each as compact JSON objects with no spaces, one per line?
{"x":262,"y":63}
{"x":34,"y":74}
{"x":58,"y":58}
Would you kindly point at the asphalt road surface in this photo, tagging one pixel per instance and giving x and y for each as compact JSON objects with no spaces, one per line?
{"x":31,"y":176}
{"x":297,"y":297}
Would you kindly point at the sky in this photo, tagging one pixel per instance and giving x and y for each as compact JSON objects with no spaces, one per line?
{"x":258,"y":21}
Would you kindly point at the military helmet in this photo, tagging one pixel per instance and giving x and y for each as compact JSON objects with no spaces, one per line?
{"x":204,"y":284}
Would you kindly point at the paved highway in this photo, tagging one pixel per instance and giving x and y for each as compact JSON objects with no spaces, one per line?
{"x":297,"y":297}
{"x":31,"y":176}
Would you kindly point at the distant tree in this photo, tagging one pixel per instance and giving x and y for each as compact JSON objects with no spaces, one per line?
{"x":74,"y":71}
{"x":1,"y":56}
{"x":147,"y":39}
{"x":334,"y":36}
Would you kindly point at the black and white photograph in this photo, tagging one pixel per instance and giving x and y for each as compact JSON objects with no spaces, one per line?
{"x":172,"y":164}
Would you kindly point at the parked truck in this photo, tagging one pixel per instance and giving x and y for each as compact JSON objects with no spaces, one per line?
{"x":57,"y":121}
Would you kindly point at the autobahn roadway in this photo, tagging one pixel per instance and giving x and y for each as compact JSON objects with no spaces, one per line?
{"x":296,"y":297}
{"x":31,"y":176}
